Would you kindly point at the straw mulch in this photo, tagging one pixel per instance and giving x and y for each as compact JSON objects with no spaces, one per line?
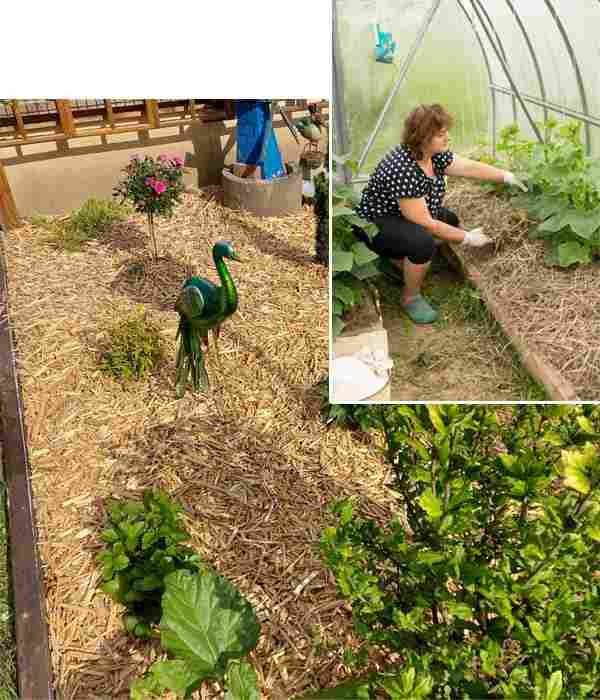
{"x":556,"y":311}
{"x":251,"y":461}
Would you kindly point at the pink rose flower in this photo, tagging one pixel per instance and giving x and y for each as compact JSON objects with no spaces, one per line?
{"x":159,"y":186}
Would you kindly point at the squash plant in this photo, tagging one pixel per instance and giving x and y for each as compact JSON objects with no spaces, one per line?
{"x":564,"y":190}
{"x":353,"y":261}
{"x":487,"y":579}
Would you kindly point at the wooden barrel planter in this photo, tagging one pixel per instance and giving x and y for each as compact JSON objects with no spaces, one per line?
{"x":277,"y":197}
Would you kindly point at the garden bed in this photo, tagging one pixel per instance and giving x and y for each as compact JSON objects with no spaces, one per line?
{"x":552,"y":312}
{"x":250,"y":461}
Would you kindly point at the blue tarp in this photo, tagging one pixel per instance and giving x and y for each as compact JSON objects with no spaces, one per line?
{"x":256,"y":143}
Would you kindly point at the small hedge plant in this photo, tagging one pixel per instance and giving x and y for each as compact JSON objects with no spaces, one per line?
{"x":135,"y":347}
{"x":93,"y":218}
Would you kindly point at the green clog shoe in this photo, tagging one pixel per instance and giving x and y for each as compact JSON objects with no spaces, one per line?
{"x":419,"y":311}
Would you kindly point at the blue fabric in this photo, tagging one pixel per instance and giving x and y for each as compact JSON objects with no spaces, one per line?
{"x":385,"y":47}
{"x":256,"y":142}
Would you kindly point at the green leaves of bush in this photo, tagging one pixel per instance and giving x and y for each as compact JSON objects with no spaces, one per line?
{"x":564,"y":190}
{"x":353,"y":261}
{"x":485,"y":580}
{"x":134,"y":347}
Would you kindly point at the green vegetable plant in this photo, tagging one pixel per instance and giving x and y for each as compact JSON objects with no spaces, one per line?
{"x":207,"y":627}
{"x":564,"y":190}
{"x":486,"y":580}
{"x":143,"y":541}
{"x":353,"y":261}
{"x":154,"y":187}
{"x":134,"y":347}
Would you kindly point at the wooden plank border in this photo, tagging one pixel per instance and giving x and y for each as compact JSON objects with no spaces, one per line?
{"x":8,"y":209}
{"x":34,"y":672}
{"x":557,"y":387}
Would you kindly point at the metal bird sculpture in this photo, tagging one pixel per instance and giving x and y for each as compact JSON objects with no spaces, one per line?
{"x":203,"y":306}
{"x":311,"y":127}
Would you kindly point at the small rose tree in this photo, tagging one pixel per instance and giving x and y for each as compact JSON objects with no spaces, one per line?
{"x":154,"y":187}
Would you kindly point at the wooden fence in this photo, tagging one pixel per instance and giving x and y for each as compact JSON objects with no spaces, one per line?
{"x":27,"y":122}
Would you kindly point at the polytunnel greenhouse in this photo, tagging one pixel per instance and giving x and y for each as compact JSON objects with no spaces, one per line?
{"x":520,"y":79}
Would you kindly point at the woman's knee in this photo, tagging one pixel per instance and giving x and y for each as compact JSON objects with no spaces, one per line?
{"x":423,"y":249}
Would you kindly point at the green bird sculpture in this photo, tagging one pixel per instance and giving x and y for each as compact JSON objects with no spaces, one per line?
{"x":311,"y":128}
{"x":202,"y":307}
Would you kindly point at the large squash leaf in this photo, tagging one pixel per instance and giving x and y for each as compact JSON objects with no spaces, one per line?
{"x":241,"y":682}
{"x":206,"y":621}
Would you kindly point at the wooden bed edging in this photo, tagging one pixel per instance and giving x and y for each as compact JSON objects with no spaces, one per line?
{"x":34,"y":673}
{"x":557,"y":387}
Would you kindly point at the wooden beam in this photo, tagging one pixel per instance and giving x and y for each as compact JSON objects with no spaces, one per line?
{"x":65,"y":115}
{"x":18,"y":118}
{"x":152,"y":113}
{"x":110,"y":115}
{"x":8,"y":208}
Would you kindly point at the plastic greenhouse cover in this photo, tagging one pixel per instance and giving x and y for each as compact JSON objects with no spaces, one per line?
{"x":548,"y":49}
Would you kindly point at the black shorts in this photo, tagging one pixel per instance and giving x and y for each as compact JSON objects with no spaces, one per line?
{"x":399,"y":238}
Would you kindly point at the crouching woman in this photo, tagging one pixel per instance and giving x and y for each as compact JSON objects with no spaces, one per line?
{"x":404,"y":196}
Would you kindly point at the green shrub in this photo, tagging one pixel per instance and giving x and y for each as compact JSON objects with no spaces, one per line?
{"x":486,"y":580}
{"x":135,"y":347}
{"x":98,"y":215}
{"x":143,"y":541}
{"x":85,"y":224}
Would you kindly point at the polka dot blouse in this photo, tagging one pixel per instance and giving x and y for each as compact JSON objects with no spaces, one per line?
{"x":399,"y":176}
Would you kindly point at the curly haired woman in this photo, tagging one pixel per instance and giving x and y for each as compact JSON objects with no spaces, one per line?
{"x":404,"y":195}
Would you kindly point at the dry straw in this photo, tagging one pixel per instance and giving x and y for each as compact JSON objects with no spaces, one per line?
{"x":555,"y":311}
{"x":251,"y":461}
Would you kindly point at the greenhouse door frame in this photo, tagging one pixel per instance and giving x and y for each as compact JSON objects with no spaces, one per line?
{"x":341,"y":138}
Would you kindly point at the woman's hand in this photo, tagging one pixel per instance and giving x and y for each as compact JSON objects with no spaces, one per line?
{"x":476,"y":238}
{"x":510,"y":179}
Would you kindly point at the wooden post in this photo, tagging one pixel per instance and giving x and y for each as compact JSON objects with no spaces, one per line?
{"x":65,"y":115}
{"x":192,"y":109}
{"x":152,"y":113}
{"x":8,"y":209}
{"x":18,"y":118}
{"x":110,"y":115}
{"x":229,"y":109}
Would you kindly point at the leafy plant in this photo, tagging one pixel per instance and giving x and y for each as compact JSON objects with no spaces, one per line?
{"x":208,"y":627}
{"x":143,"y":547}
{"x":564,"y":189}
{"x":353,"y":261}
{"x":86,"y":223}
{"x":486,"y":581}
{"x":154,"y":187}
{"x":135,"y":347}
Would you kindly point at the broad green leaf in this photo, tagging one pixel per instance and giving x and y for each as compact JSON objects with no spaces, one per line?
{"x":337,"y":307}
{"x":342,"y":292}
{"x":586,"y":425}
{"x":241,"y":682}
{"x":553,"y":224}
{"x":343,"y":211}
{"x":355,"y":690}
{"x":431,"y":504}
{"x":362,"y":254}
{"x":363,"y":272}
{"x":536,"y":629}
{"x":206,"y":620}
{"x":573,"y":252}
{"x":583,"y":223}
{"x":337,"y":326}
{"x":175,"y":675}
{"x":460,"y":610}
{"x":594,"y":533}
{"x":430,"y":557}
{"x":575,"y":463}
{"x":342,"y":260}
{"x":554,"y":687}
{"x":436,"y":418}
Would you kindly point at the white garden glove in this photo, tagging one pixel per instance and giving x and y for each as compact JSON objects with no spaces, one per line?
{"x":476,"y":238}
{"x":510,"y":179}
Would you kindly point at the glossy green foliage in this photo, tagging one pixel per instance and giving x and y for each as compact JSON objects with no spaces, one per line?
{"x":134,"y":347}
{"x":564,"y":190}
{"x":207,"y":627}
{"x":353,"y":261}
{"x":487,"y":580}
{"x":143,"y":546}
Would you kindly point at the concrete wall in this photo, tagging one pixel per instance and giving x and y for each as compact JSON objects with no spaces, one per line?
{"x":51,"y":178}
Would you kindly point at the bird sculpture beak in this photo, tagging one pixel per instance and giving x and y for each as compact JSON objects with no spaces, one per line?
{"x":236,"y":257}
